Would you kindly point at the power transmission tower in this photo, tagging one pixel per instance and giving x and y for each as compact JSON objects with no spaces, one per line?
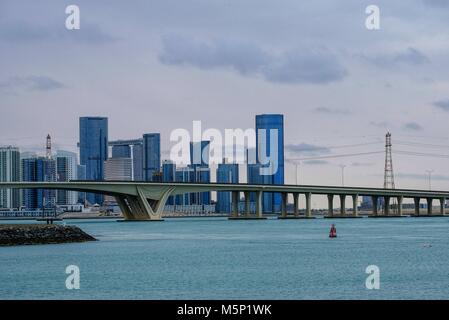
{"x":388,"y":174}
{"x":48,"y":147}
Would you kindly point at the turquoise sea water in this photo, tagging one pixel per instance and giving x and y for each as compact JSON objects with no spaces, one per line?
{"x":213,"y":258}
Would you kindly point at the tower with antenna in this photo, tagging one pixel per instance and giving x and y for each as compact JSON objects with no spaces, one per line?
{"x":48,"y":147}
{"x":388,"y":173}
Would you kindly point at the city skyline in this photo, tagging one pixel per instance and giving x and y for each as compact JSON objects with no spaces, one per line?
{"x":392,"y":82}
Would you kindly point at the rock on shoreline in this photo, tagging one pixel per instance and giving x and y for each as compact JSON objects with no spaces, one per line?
{"x":24,"y":234}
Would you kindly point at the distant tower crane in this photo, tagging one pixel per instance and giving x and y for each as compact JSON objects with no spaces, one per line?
{"x":388,"y":174}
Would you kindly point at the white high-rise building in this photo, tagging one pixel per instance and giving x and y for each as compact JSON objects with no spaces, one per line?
{"x":9,"y":172}
{"x":66,"y":170}
{"x":118,"y":169}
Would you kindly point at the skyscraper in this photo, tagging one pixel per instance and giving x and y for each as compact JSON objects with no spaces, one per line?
{"x":9,"y":172}
{"x":268,"y":122}
{"x":202,"y":175}
{"x":137,"y":162}
{"x":119,"y":169}
{"x":199,"y":153}
{"x":39,"y":169}
{"x":226,"y":173}
{"x":121,"y":151}
{"x":151,"y":155}
{"x":94,"y":150}
{"x":184,"y":174}
{"x":66,"y":170}
{"x":168,"y":171}
{"x":199,"y":162}
{"x":169,"y":175}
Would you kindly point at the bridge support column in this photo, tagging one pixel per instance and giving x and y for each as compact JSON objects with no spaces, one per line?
{"x":375,"y":205}
{"x":247,"y":204}
{"x":387,"y":205}
{"x":342,"y":205}
{"x":124,"y":208}
{"x":284,"y":197}
{"x":400,"y":200}
{"x":296,"y":204}
{"x":355,"y":207}
{"x":259,"y":204}
{"x":235,"y":204}
{"x":416,"y":201}
{"x":442,"y":204}
{"x":330,"y":205}
{"x":308,"y":205}
{"x":141,"y":207}
{"x":429,"y":206}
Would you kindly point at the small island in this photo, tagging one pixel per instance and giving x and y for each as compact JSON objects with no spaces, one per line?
{"x":27,"y":234}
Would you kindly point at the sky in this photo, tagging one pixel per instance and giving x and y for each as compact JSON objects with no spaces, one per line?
{"x":158,"y":65}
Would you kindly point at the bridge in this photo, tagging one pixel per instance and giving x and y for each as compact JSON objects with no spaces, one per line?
{"x":146,"y":200}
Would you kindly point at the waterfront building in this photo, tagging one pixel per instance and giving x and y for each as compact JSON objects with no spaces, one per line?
{"x":9,"y":172}
{"x":199,"y":163}
{"x":118,"y":169}
{"x":226,"y":173}
{"x":151,"y":155}
{"x":66,"y":166}
{"x":267,"y":122}
{"x":93,"y":146}
{"x":39,"y":169}
{"x":121,"y":151}
{"x":137,"y":162}
{"x":184,"y":174}
{"x":169,"y":175}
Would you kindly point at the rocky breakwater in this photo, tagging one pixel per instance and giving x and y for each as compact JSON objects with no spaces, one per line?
{"x":22,"y":234}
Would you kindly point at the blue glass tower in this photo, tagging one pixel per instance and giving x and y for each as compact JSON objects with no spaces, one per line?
{"x":271,"y":201}
{"x":123,"y":151}
{"x":138,"y":162}
{"x":94,"y":150}
{"x":202,"y":158}
{"x":151,"y":155}
{"x":226,"y":173}
{"x":169,"y":175}
{"x":35,"y":170}
{"x":199,"y":162}
{"x":184,"y":175}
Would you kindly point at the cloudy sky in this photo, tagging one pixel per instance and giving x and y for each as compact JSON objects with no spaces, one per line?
{"x":157,"y":65}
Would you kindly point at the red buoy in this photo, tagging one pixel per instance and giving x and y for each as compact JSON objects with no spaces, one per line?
{"x":333,"y":232}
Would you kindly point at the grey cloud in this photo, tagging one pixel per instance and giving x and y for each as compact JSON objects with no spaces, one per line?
{"x":413,"y":126}
{"x":327,"y":110}
{"x":442,"y":104}
{"x":408,"y":57}
{"x":305,"y":148}
{"x":31,"y":83}
{"x":298,"y":66}
{"x":244,"y":58}
{"x":305,"y":67}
